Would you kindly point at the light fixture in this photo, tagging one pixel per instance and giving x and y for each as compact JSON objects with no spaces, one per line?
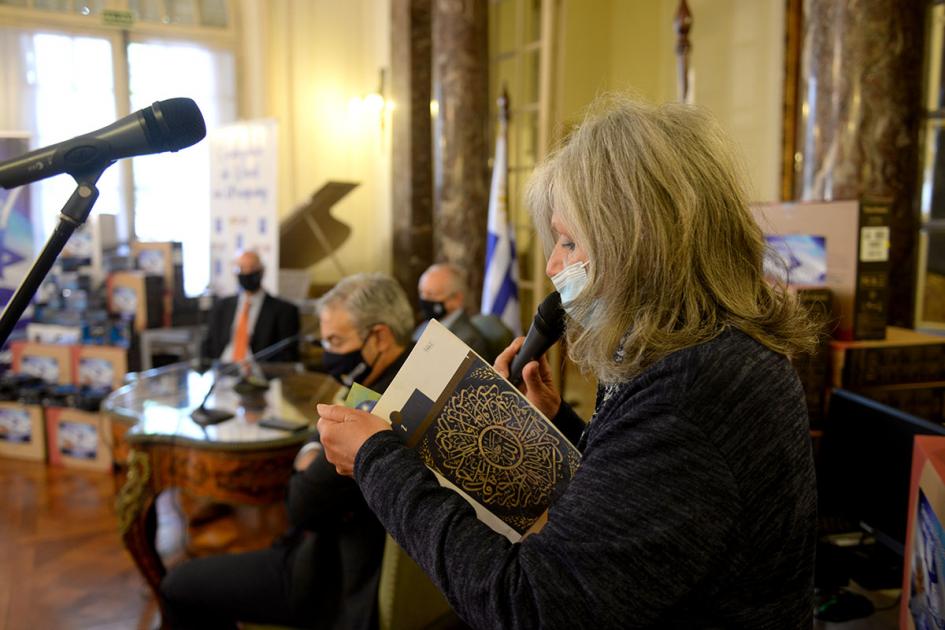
{"x":373,"y":104}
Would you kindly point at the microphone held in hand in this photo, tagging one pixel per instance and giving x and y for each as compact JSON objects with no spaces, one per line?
{"x":546,"y":329}
{"x":168,"y":125}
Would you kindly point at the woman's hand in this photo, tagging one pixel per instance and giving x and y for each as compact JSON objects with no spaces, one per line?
{"x":343,"y":431}
{"x":536,"y":379}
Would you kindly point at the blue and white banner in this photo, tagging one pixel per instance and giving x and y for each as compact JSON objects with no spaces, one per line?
{"x":243,"y":204}
{"x":16,"y":230}
{"x":500,"y":285}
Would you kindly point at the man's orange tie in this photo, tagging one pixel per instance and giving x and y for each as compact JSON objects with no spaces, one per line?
{"x":241,"y":338}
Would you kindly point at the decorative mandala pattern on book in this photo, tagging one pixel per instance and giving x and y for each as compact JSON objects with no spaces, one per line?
{"x":493,"y":445}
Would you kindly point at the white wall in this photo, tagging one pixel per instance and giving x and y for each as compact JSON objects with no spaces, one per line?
{"x":304,"y":60}
{"x":737,"y":61}
{"x":310,"y":59}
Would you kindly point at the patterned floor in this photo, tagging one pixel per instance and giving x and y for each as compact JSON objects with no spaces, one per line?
{"x":62,"y":565}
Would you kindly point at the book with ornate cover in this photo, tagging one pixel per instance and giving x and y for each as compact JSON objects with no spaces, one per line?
{"x":478,"y":433}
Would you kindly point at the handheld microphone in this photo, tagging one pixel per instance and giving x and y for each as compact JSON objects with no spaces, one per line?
{"x":546,"y":329}
{"x":168,"y":125}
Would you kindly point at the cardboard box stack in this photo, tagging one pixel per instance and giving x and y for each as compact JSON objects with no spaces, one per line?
{"x":166,"y":259}
{"x":138,"y":296}
{"x":49,"y":403}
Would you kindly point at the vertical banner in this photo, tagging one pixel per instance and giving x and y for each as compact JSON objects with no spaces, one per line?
{"x":16,"y":232}
{"x":243,"y":212}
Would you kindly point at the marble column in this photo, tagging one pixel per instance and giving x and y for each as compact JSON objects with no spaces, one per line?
{"x":460,"y":140}
{"x":411,"y":148}
{"x":860,"y":97}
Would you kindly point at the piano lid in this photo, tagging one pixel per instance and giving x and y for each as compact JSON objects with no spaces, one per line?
{"x":310,"y":233}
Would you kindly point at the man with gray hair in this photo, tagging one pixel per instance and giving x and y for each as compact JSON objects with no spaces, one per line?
{"x":442,"y":289}
{"x":325,"y":570}
{"x":365,"y":323}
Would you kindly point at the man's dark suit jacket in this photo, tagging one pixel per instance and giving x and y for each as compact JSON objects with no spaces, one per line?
{"x":463,"y":328}
{"x":277,"y":320}
{"x":339,"y":562}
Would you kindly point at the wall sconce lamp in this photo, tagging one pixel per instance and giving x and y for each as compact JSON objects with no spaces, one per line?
{"x":374,"y":104}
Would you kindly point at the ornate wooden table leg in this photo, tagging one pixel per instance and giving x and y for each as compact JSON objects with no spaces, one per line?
{"x":137,"y":519}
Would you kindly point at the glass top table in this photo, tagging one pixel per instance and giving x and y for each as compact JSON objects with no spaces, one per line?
{"x":236,"y":460}
{"x":158,"y":405}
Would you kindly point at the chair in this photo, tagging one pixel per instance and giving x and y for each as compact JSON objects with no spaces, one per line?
{"x":407,"y":599}
{"x":496,"y":333}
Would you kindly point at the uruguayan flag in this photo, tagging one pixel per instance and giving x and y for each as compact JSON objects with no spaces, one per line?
{"x":500,"y":285}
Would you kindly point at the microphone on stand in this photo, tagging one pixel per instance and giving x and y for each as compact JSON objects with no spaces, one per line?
{"x":246,"y":385}
{"x":204,"y":416}
{"x":546,"y":329}
{"x":168,"y":125}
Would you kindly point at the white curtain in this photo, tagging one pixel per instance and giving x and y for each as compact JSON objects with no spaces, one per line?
{"x":172,"y":191}
{"x":17,"y":82}
{"x":54,"y":87}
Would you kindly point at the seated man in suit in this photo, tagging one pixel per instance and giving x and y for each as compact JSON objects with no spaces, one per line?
{"x":325,"y":570}
{"x":442,"y":290}
{"x":243,"y":324}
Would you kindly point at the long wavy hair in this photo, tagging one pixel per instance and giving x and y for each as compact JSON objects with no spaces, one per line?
{"x":656,"y":197}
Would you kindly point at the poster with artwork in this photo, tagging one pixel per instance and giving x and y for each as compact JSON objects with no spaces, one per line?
{"x":243,"y":201}
{"x":797,"y":259}
{"x":927,"y":583}
{"x":15,"y":425}
{"x":96,"y":372}
{"x":78,"y":439}
{"x":16,"y":234}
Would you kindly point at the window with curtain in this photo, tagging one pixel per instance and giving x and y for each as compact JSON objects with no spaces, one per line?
{"x":76,"y":71}
{"x":41,"y":72}
{"x":172,"y":192}
{"x":59,"y":85}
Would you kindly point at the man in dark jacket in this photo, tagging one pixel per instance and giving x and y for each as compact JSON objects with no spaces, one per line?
{"x":442,"y":290}
{"x":243,"y":324}
{"x":323,"y":572}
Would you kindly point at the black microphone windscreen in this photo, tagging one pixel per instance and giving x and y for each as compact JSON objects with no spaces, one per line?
{"x":179,"y":121}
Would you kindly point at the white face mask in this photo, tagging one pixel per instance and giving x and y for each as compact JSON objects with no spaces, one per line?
{"x":569,"y":282}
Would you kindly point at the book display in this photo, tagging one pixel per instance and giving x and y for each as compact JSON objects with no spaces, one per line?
{"x":853,"y":237}
{"x":906,"y":370}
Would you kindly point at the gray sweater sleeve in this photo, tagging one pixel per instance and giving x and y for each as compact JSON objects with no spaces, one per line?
{"x":647,"y":516}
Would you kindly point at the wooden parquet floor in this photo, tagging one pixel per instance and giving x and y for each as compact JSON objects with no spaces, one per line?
{"x":62,"y":564}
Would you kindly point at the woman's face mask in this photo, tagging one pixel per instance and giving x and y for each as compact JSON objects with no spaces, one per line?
{"x":569,"y":282}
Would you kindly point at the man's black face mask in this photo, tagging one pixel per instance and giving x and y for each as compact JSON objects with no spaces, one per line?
{"x":251,"y":281}
{"x":432,"y":310}
{"x":347,"y":367}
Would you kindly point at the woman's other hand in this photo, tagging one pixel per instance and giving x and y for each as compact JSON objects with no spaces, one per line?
{"x":343,"y":431}
{"x":537,"y":384}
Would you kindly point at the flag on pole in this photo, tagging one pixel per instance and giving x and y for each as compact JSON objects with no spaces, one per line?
{"x":500,"y":285}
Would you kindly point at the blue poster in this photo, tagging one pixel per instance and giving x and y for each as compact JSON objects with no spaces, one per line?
{"x":927,"y":582}
{"x":797,"y":259}
{"x":16,"y":233}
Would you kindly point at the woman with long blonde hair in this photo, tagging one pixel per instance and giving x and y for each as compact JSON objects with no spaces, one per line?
{"x":694,"y":504}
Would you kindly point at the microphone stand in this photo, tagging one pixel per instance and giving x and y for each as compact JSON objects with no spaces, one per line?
{"x":73,"y":214}
{"x":203,"y":415}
